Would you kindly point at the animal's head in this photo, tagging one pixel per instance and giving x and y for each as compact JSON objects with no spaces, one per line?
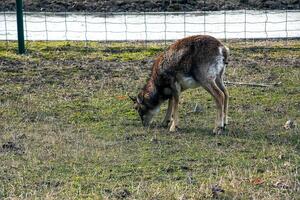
{"x":145,"y":110}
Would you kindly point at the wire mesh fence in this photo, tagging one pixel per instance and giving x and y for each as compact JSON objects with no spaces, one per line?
{"x":149,"y":26}
{"x":105,"y":26}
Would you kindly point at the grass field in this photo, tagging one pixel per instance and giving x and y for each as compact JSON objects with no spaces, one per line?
{"x":68,"y":130}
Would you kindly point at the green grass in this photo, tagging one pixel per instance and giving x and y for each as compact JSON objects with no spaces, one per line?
{"x":68,"y":130}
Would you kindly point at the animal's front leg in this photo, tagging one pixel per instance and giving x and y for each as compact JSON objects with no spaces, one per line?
{"x":168,"y":116}
{"x":174,"y":124}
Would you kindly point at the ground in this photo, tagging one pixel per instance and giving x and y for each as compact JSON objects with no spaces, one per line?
{"x":148,"y":5}
{"x":68,"y":130}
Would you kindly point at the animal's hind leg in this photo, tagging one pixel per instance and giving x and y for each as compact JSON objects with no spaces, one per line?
{"x":221,"y":85}
{"x":219,"y":98}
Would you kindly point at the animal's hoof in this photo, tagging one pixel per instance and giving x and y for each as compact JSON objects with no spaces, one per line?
{"x":219,"y":130}
{"x":174,"y":129}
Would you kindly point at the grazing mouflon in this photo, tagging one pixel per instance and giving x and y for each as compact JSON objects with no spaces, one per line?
{"x":188,"y":63}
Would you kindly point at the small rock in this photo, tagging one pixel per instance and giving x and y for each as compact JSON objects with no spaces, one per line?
{"x":281,"y":185}
{"x":290,"y":124}
{"x":122,"y":193}
{"x":12,"y":147}
{"x":9,"y":145}
{"x":216,"y":191}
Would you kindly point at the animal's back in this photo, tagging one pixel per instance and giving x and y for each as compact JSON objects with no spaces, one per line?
{"x":190,"y":52}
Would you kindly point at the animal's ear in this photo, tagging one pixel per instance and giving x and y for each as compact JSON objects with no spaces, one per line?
{"x":134,"y":99}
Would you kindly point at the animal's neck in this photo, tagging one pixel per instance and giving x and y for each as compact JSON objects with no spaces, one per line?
{"x":151,"y":94}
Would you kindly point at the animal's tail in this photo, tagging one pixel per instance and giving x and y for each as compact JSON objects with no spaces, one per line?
{"x":225,"y":52}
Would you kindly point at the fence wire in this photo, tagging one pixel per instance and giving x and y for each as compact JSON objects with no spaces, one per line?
{"x":149,"y":26}
{"x":153,"y":26}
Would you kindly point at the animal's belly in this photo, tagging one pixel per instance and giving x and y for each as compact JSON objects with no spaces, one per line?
{"x":187,"y":82}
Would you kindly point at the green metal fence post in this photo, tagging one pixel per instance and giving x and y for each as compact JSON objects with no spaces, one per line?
{"x":20,"y":27}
